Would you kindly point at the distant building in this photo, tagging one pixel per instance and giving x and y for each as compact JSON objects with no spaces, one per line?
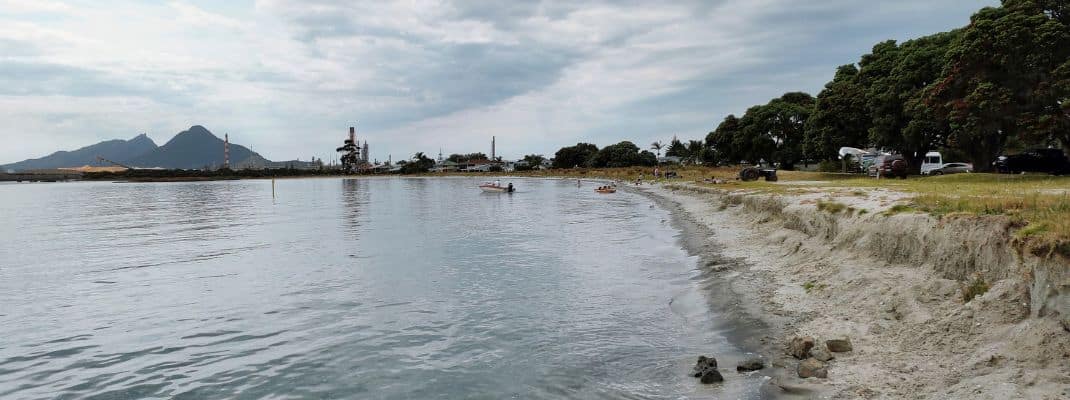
{"x":478,"y":165}
{"x":446,"y":166}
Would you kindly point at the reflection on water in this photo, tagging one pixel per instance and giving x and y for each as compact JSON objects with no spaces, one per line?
{"x":346,"y":288}
{"x":354,"y":200}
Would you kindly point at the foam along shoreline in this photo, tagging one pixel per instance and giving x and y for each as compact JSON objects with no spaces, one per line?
{"x":894,"y":285}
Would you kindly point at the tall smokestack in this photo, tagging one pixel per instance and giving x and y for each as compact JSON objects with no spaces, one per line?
{"x":353,"y":135}
{"x":226,"y":150}
{"x":493,"y":143}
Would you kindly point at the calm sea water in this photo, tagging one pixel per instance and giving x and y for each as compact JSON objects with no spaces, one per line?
{"x":347,"y":288}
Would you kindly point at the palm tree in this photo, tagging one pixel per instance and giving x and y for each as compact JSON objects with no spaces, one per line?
{"x":656,"y":146}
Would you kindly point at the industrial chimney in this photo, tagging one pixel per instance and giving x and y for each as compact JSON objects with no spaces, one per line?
{"x":492,"y":149}
{"x":226,"y":150}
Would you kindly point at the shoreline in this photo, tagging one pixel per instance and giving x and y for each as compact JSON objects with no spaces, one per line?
{"x":781,"y":267}
{"x":726,"y":284}
{"x":736,"y":292}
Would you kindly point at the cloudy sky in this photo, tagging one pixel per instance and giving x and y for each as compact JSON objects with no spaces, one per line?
{"x":287,"y":77}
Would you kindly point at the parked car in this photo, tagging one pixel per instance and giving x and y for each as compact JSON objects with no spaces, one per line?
{"x":952,"y":168}
{"x":889,"y":166}
{"x":1051,"y":161}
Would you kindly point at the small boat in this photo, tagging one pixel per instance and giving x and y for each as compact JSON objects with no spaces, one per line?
{"x":491,"y":187}
{"x":606,"y":190}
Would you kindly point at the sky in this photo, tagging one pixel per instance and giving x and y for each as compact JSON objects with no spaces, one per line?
{"x":288,"y":77}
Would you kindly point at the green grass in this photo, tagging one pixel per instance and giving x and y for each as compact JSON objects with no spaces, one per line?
{"x":832,"y":207}
{"x":899,"y":209}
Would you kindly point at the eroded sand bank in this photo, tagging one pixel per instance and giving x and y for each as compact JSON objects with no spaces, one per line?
{"x":894,"y":285}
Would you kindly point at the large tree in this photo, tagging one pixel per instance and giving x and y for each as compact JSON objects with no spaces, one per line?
{"x":574,"y":156}
{"x":531,"y":162}
{"x":840,"y":118}
{"x":676,"y":148}
{"x":775,"y":131}
{"x":462,"y":158}
{"x":895,"y":80}
{"x":420,"y":163}
{"x":623,"y":154}
{"x":720,"y":141}
{"x":1006,"y":78}
{"x":696,"y":152}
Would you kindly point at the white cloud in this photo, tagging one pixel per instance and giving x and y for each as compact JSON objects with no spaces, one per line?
{"x":286,"y":77}
{"x":33,"y":6}
{"x":193,"y":15}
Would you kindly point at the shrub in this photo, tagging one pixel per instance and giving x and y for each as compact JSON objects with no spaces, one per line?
{"x":831,"y":207}
{"x":973,"y":289}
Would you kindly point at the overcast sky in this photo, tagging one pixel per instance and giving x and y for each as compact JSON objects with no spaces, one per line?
{"x":287,"y":77}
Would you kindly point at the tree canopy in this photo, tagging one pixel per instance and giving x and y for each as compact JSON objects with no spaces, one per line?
{"x":420,"y":163}
{"x":463,"y":158}
{"x":574,"y":156}
{"x":1004,"y":78}
{"x":623,"y":154}
{"x":840,"y":117}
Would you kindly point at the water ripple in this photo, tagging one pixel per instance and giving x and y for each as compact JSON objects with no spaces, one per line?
{"x":347,"y":288}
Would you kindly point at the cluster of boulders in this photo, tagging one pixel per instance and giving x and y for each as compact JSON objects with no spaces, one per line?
{"x":706,"y":368}
{"x":815,"y":358}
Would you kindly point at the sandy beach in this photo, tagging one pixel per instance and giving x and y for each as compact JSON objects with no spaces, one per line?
{"x":893,"y":285}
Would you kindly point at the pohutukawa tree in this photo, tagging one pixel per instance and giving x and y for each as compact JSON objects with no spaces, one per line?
{"x":840,"y":117}
{"x":1006,"y":77}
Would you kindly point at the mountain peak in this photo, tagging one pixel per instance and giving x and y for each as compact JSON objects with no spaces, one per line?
{"x":195,"y":133}
{"x":197,"y":130}
{"x":117,"y":150}
{"x":197,"y":147}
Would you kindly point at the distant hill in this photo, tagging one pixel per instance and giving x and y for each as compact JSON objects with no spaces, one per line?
{"x":121,"y":151}
{"x":197,"y":148}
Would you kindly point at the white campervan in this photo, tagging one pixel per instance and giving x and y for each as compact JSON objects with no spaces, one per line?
{"x":933,"y":160}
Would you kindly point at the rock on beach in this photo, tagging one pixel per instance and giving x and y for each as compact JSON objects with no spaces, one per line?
{"x":799,"y":347}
